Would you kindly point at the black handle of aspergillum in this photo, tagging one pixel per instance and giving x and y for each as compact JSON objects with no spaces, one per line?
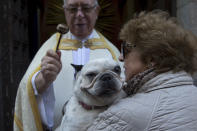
{"x":62,"y":29}
{"x":57,"y":47}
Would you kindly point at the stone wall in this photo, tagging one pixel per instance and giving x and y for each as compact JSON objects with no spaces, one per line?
{"x":186,"y":13}
{"x":14,"y":55}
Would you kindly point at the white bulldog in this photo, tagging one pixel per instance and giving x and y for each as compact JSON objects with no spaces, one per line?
{"x":98,"y":84}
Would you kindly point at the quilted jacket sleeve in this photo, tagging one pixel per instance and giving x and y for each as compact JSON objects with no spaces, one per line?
{"x":112,"y":121}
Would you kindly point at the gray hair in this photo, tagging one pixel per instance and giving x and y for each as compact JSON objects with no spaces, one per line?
{"x":96,"y":2}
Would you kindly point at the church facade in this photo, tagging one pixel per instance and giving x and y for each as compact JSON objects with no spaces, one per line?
{"x":24,"y":25}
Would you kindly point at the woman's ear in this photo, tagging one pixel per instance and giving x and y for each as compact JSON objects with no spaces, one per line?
{"x":150,"y":63}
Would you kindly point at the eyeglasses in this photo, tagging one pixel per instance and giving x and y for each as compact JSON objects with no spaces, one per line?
{"x":126,"y":48}
{"x":84,"y":9}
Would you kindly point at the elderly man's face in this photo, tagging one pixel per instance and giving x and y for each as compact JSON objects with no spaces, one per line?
{"x":81,"y":16}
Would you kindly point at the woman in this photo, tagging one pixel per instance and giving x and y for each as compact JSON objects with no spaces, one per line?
{"x":159,"y":60}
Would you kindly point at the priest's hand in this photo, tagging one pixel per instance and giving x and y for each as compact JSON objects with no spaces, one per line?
{"x":50,"y":67}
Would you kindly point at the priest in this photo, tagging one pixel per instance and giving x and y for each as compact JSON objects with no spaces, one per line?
{"x":48,"y":81}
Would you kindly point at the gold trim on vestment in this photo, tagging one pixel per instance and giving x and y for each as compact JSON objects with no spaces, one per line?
{"x":18,"y":122}
{"x":65,"y":44}
{"x":33,"y":103}
{"x":95,"y":43}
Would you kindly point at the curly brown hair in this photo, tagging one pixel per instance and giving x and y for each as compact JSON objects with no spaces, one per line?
{"x":159,"y":38}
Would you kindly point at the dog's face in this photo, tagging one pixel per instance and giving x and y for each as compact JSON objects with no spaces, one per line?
{"x":99,"y":82}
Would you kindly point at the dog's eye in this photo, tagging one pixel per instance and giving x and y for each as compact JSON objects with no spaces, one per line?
{"x":91,"y":74}
{"x":117,"y":69}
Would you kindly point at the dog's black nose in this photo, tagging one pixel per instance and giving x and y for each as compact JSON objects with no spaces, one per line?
{"x":106,"y":77}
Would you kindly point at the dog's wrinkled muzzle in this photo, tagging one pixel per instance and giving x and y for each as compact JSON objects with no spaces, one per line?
{"x":104,"y":76}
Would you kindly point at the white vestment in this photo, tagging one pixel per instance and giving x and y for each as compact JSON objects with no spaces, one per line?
{"x":27,"y":115}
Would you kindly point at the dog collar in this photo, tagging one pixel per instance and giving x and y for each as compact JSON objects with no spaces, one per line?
{"x":89,"y":107}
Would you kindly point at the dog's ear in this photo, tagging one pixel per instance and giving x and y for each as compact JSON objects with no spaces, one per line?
{"x":77,"y":67}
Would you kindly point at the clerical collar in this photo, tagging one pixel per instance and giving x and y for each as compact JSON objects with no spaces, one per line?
{"x":83,"y":40}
